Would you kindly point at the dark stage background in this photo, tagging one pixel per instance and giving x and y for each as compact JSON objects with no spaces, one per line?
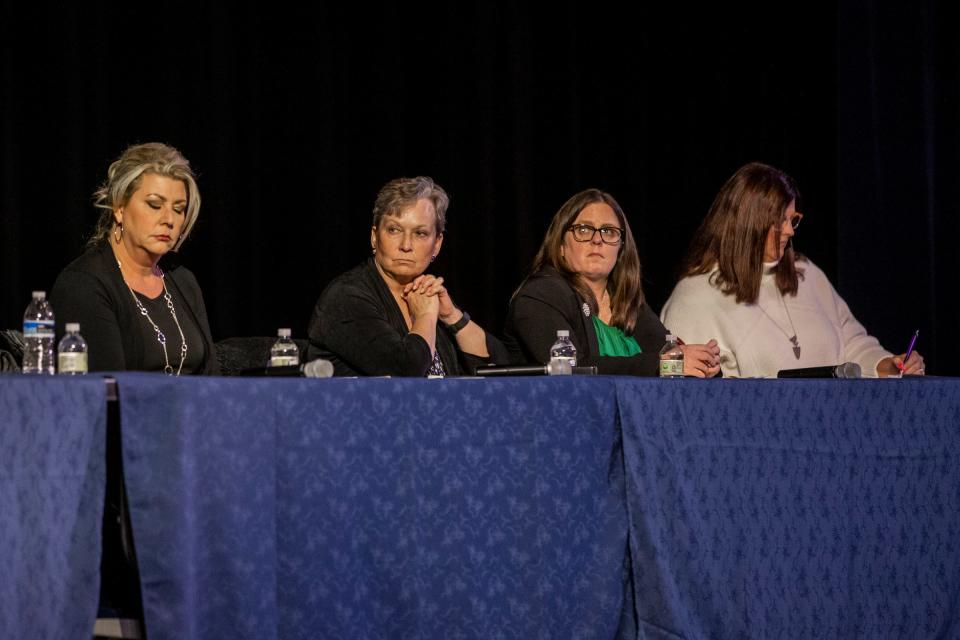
{"x":294,"y":117}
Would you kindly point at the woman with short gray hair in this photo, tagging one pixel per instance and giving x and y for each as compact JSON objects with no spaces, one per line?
{"x":388,"y":316}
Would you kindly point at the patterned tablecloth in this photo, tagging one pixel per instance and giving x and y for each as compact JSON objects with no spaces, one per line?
{"x":795,"y":508}
{"x":545,"y":507}
{"x":52,"y":477}
{"x":277,"y":508}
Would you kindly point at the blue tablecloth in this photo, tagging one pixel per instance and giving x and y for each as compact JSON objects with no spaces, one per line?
{"x":376,"y":508}
{"x":545,"y":507}
{"x":52,"y":475}
{"x":794,"y":509}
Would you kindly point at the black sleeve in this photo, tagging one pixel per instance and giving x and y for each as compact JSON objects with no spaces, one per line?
{"x":497,"y":350}
{"x":348,"y":322}
{"x":80,"y":297}
{"x":498,"y":354}
{"x":535,"y":316}
{"x":212,"y":366}
{"x":650,"y":333}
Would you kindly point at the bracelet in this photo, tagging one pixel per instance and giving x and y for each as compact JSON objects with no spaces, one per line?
{"x":459,"y":324}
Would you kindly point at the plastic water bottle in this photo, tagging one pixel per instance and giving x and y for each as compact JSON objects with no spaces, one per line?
{"x":671,"y":359}
{"x":563,"y":355}
{"x":284,"y":352}
{"x":72,"y":352}
{"x":38,"y":336}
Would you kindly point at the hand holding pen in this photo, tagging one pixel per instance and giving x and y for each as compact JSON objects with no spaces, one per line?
{"x":911,"y":362}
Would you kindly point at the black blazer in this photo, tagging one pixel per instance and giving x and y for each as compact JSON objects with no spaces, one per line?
{"x":357,"y":325}
{"x":546,"y":302}
{"x":91,"y":291}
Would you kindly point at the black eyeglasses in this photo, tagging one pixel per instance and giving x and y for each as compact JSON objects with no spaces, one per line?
{"x":795,"y":220}
{"x":586,"y":233}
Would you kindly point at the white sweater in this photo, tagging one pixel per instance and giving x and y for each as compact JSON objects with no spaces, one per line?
{"x":755,"y":344}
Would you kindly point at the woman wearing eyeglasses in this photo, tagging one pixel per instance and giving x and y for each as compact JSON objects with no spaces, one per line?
{"x":586,"y":279}
{"x":769,"y":307}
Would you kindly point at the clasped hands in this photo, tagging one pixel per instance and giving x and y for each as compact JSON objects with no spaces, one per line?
{"x":701,"y":360}
{"x":426,"y":294}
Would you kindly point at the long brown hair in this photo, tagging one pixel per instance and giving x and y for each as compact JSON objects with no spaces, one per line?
{"x":626,"y":294}
{"x":733,"y":235}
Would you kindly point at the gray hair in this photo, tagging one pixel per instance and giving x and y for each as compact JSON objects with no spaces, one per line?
{"x":124,"y":177}
{"x":398,"y":194}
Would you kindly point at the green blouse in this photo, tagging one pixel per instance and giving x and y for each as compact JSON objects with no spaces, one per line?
{"x":612,"y":341}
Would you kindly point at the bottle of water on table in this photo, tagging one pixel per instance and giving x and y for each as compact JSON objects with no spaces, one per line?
{"x":671,"y":359}
{"x":563,"y":355}
{"x":38,"y":327}
{"x":284,"y":352}
{"x":72,"y":352}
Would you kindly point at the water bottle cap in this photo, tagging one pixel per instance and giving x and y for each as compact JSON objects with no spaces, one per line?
{"x":671,"y":337}
{"x":563,"y":333}
{"x":73,"y":327}
{"x":39,"y":295}
{"x":283,"y":333}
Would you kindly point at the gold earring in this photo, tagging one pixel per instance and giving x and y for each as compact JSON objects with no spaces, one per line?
{"x":118,"y":232}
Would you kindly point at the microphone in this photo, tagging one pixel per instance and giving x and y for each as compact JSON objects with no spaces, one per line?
{"x":494,"y":370}
{"x":318,"y":369}
{"x":312,"y":369}
{"x":844,"y":370}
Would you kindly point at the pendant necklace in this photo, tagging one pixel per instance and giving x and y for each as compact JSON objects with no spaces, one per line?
{"x":792,"y":338}
{"x":161,"y":338}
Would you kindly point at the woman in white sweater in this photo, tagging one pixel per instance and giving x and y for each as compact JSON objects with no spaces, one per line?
{"x":768,"y":307}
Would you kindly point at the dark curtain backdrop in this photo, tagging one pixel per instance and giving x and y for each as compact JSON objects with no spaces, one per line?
{"x":295,"y":116}
{"x":898,"y":161}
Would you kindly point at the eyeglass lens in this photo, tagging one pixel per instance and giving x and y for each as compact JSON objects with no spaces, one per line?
{"x":586,"y":233}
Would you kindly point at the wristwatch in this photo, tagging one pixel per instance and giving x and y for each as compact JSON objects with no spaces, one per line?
{"x":459,"y":324}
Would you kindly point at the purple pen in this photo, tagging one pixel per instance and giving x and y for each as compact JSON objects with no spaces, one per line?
{"x":906,"y":357}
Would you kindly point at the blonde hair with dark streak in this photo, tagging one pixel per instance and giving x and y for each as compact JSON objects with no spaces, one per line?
{"x":733,"y":235}
{"x":125,"y":175}
{"x":401,"y":193}
{"x":623,"y":283}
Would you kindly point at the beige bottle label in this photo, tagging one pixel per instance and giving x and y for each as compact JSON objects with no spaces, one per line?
{"x":671,"y":368}
{"x":72,"y":362}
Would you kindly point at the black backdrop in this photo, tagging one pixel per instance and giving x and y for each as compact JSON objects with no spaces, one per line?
{"x":294,"y":117}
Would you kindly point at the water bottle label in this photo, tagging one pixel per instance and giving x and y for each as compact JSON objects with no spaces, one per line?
{"x":72,"y":362}
{"x":284,"y":361}
{"x":38,"y":328}
{"x":671,"y":368}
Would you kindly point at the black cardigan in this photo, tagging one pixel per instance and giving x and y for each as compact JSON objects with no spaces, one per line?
{"x":357,"y":325}
{"x":546,"y":302}
{"x":91,"y":291}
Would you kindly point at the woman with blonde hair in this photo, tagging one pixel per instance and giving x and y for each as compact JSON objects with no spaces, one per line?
{"x":139,"y":309}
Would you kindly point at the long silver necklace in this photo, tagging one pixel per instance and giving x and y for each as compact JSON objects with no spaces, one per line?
{"x":161,"y":338}
{"x":793,"y":339}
